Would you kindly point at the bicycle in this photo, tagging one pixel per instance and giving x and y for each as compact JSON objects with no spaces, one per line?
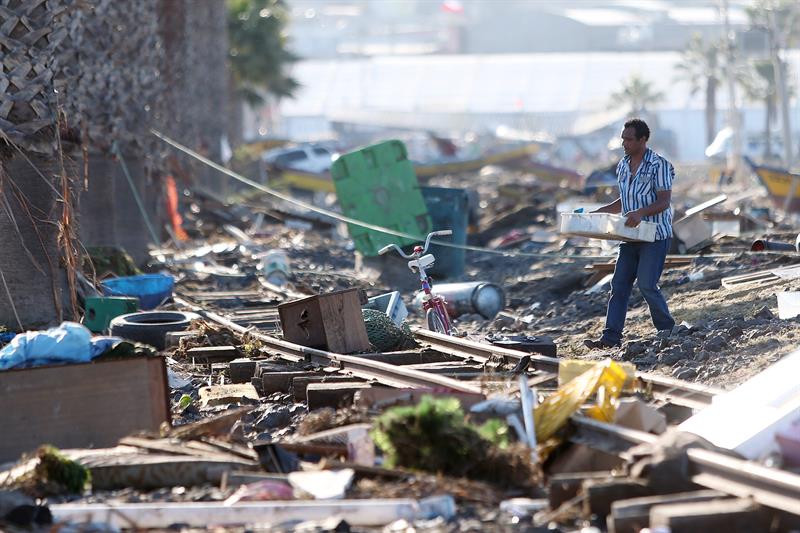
{"x":434,"y":305}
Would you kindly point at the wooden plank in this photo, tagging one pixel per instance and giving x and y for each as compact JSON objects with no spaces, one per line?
{"x":81,"y":405}
{"x":166,"y":446}
{"x":333,"y":395}
{"x":762,"y":277}
{"x":364,"y":471}
{"x":217,"y":425}
{"x":608,"y":267}
{"x":233,"y":448}
{"x":749,"y":280}
{"x":150,"y":471}
{"x":348,"y":333}
{"x":213,"y":354}
{"x":731,"y":516}
{"x":630,"y":516}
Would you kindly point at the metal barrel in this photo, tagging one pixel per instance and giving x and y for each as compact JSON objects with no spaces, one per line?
{"x":763,"y":245}
{"x":485,"y":299}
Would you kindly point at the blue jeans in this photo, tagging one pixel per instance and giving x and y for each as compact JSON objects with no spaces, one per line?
{"x":644,"y":262}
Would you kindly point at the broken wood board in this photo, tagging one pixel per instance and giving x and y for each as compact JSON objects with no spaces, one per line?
{"x":212,"y":449}
{"x":217,"y":425}
{"x":601,"y":270}
{"x":760,"y":278}
{"x":382,"y":398}
{"x":144,"y":471}
{"x":81,"y":405}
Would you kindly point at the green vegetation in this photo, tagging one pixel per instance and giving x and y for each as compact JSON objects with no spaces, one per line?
{"x":258,"y":49}
{"x":434,"y":436}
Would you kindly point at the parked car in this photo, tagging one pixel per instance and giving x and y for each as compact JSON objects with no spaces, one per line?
{"x":305,"y":157}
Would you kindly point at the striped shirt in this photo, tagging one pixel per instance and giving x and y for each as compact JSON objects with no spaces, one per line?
{"x":654,"y":174}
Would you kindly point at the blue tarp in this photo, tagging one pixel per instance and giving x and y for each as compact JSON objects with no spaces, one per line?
{"x":68,"y":343}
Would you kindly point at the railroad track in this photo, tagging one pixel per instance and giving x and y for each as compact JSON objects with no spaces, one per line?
{"x":675,"y":391}
{"x":778,"y":489}
{"x":772,"y":488}
{"x":361,"y":367}
{"x":259,"y":320}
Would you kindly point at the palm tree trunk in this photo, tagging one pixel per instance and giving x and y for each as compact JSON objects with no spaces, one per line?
{"x":769,"y":109}
{"x":195,"y":34}
{"x":711,"y":109}
{"x":97,"y":210}
{"x":33,"y":282}
{"x":132,"y":233}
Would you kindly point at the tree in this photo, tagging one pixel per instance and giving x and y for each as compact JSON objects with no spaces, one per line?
{"x":258,"y":51}
{"x":113,"y":109}
{"x":636,"y":95}
{"x":758,"y":82}
{"x":701,"y":68}
{"x":79,"y":77}
{"x":195,"y":38}
{"x":780,"y":20}
{"x":33,"y":284}
{"x":787,"y":18}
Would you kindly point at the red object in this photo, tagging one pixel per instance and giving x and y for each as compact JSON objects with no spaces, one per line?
{"x":172,"y":209}
{"x":452,"y":6}
{"x":789,"y":442}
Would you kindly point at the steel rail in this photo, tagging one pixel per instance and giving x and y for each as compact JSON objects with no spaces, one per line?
{"x":370,"y":370}
{"x":676,"y":391}
{"x":777,"y":489}
{"x":770,"y":487}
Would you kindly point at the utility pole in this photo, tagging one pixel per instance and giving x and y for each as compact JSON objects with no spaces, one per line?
{"x":776,"y":38}
{"x":735,"y":155}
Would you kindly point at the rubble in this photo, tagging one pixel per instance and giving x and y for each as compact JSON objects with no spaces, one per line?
{"x":302,"y":388}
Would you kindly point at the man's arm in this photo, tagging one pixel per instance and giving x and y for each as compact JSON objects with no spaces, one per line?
{"x":614,"y":207}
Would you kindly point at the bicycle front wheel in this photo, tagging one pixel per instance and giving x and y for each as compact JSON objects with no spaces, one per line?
{"x":436,"y":322}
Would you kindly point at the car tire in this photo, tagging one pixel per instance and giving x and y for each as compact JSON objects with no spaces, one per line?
{"x":150,"y":327}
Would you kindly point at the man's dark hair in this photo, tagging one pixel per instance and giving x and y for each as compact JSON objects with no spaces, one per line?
{"x":640,"y":126}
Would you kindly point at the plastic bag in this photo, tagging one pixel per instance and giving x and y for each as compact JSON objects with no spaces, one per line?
{"x":68,"y":343}
{"x":605,"y":378}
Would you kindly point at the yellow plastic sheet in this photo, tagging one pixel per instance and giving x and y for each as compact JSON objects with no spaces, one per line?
{"x":605,"y":378}
{"x":569,"y":369}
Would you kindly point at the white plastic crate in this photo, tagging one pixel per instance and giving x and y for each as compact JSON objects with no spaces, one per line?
{"x":606,"y":226}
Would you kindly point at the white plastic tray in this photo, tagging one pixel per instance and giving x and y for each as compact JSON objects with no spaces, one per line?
{"x":607,"y":227}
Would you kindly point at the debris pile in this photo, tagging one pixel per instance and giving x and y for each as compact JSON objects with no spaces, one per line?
{"x":288,"y":379}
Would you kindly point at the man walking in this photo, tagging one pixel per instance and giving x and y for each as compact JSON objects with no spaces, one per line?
{"x":645,"y":189}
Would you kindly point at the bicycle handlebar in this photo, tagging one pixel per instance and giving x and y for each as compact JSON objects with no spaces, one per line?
{"x":440,"y":233}
{"x":388,"y":247}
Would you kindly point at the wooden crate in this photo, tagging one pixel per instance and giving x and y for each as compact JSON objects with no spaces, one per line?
{"x":81,"y":405}
{"x":331,"y":322}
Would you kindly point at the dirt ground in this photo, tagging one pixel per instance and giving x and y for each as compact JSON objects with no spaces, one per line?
{"x":724,"y":335}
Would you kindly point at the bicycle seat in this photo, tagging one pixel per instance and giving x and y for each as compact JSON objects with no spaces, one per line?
{"x":423,"y":262}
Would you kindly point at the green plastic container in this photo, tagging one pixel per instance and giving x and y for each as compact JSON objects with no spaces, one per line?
{"x":377,"y":184}
{"x":100,"y":310}
{"x":449,"y":209}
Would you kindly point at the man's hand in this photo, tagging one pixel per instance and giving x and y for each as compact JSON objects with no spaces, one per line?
{"x":634,"y":218}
